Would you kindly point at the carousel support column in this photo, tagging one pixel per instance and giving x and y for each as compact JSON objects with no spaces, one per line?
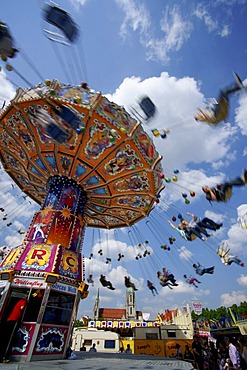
{"x":60,"y":219}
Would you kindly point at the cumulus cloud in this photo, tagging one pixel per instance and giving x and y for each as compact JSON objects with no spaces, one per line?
{"x":6,"y":88}
{"x":177,"y":101}
{"x":116,"y":276}
{"x":217,"y":217}
{"x":242,"y":212}
{"x":184,"y":253}
{"x":237,"y":239}
{"x":236,"y":297}
{"x":237,"y":231}
{"x":107,"y":248}
{"x":241,"y":113}
{"x":242,"y":280}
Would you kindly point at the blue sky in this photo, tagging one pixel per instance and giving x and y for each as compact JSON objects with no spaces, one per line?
{"x":179,"y":53}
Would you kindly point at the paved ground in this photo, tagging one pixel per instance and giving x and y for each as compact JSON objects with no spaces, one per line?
{"x":97,"y":361}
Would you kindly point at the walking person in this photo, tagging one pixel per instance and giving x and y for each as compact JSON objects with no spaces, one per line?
{"x":228,"y":365}
{"x":188,"y":355}
{"x":213,"y":357}
{"x":198,"y":352}
{"x":93,"y":348}
{"x":178,"y":354}
{"x":128,"y":349}
{"x":233,"y":354}
{"x":83,"y":347}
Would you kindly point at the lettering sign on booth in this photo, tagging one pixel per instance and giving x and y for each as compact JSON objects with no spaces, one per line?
{"x":38,"y":257}
{"x":170,"y":346}
{"x":68,"y":264}
{"x":64,"y":288}
{"x":27,"y":282}
{"x":152,"y":347}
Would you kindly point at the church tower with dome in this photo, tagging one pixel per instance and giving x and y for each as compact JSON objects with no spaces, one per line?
{"x":130,"y":304}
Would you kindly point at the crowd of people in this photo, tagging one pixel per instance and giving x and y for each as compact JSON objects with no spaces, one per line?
{"x":223,"y":355}
{"x":71,"y":355}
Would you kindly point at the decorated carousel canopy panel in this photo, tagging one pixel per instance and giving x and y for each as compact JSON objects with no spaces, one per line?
{"x":62,"y":130}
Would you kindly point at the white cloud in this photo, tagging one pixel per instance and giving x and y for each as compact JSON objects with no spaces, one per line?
{"x":236,"y":297}
{"x":242,"y":280}
{"x":207,"y":16}
{"x":237,"y":233}
{"x":176,"y":32}
{"x":230,"y":157}
{"x":242,"y":210}
{"x":225,"y":31}
{"x":202,"y":14}
{"x":184,"y":253}
{"x":78,"y":3}
{"x":230,"y":2}
{"x":6,"y":88}
{"x":136,"y":17}
{"x":111,"y":248}
{"x":241,"y":113}
{"x":237,"y":239}
{"x":176,"y":29}
{"x":177,"y":101}
{"x":214,"y":216}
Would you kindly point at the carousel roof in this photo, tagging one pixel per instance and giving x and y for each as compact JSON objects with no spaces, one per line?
{"x":112,"y":158}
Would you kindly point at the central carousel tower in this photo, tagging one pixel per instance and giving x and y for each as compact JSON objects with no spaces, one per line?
{"x":106,"y":175}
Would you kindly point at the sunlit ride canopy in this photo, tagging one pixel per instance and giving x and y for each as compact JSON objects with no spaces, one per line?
{"x":112,"y":157}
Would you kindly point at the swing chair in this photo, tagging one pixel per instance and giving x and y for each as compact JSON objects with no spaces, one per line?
{"x":7,"y":49}
{"x":223,"y":250}
{"x":146,"y":107}
{"x":62,"y":21}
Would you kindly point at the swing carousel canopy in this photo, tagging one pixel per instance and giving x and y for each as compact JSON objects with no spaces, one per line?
{"x":112,"y":157}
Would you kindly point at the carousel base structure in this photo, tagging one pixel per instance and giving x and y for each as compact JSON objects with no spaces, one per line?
{"x":47,"y":321}
{"x":47,"y":275}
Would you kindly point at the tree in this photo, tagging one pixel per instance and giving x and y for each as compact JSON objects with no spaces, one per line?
{"x":221,"y":312}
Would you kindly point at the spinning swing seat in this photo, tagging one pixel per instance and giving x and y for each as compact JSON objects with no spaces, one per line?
{"x":62,"y":20}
